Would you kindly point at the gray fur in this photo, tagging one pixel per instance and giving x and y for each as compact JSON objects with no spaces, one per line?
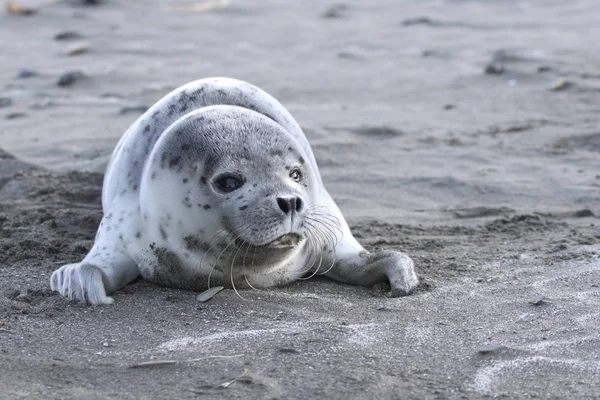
{"x":177,"y":228}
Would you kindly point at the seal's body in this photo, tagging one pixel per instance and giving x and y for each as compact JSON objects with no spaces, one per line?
{"x":216,"y":184}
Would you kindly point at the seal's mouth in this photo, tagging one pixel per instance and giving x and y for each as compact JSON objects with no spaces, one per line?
{"x":286,"y":241}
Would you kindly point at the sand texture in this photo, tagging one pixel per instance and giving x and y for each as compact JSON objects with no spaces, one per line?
{"x":465,"y":133}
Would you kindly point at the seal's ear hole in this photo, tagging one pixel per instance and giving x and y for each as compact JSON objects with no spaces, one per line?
{"x":227,"y":183}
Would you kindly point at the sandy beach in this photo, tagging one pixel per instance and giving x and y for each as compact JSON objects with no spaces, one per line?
{"x":464,"y":133}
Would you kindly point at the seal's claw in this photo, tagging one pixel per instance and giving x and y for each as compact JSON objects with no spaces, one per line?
{"x":80,"y":282}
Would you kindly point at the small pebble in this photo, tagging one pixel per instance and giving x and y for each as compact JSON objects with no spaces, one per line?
{"x":5,"y":101}
{"x":13,"y":294}
{"x":417,"y":21}
{"x":14,"y":8}
{"x":490,"y":348}
{"x":494,"y":69}
{"x":539,"y":302}
{"x":77,"y":48}
{"x":68,"y":35}
{"x":287,"y":350}
{"x":69,"y":78}
{"x":208,"y":294}
{"x":561,"y":84}
{"x":335,"y":11}
{"x":348,"y":55}
{"x":584,"y":213}
{"x":543,"y":68}
{"x":15,"y":115}
{"x":133,"y":109}
{"x":26,"y":73}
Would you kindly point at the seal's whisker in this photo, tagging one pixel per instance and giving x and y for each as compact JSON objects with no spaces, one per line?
{"x":244,"y":230}
{"x":333,"y":245}
{"x":231,"y":271}
{"x":244,"y":265}
{"x":315,"y":242}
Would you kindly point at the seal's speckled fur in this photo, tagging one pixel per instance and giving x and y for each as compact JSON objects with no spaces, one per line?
{"x":167,"y":218}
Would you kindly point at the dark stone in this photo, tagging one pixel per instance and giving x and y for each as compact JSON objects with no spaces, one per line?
{"x":68,"y":35}
{"x":26,"y":73}
{"x":491,"y":348}
{"x":69,"y":78}
{"x":494,"y":69}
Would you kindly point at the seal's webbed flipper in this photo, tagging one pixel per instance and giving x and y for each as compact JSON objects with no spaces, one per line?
{"x":103,"y":271}
{"x":351,"y":263}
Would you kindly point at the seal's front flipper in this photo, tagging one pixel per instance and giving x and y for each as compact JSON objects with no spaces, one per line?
{"x":354,"y":265}
{"x":96,"y":276}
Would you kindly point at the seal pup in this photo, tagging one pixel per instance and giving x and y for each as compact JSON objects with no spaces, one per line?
{"x":216,"y":184}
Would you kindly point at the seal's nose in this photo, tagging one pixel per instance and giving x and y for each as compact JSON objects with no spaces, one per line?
{"x":290,"y":204}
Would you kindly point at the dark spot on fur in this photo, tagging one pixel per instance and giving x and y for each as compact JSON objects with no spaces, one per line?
{"x":109,"y":216}
{"x":185,"y":147}
{"x":301,"y":159}
{"x":136,"y":163}
{"x":203,"y":180}
{"x":194,"y":243}
{"x":174,"y":161}
{"x":171,"y":109}
{"x":152,"y":246}
{"x":206,"y":207}
{"x":185,"y":180}
{"x":135,"y":188}
{"x":146,"y":129}
{"x":277,"y":153}
{"x":240,"y":197}
{"x":138,"y":234}
{"x":153,"y":176}
{"x":155,"y":114}
{"x":163,"y":233}
{"x":242,"y":208}
{"x":121,"y":220}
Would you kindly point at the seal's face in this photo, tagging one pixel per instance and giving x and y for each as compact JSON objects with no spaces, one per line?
{"x":264,"y":196}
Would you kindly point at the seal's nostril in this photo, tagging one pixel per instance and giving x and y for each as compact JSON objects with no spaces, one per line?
{"x":284,"y":205}
{"x":298,"y":204}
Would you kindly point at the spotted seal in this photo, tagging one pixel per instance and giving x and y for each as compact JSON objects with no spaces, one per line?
{"x":216,"y":184}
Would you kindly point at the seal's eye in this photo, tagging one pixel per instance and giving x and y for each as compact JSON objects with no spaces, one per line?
{"x":296,"y":174}
{"x":228,"y":183}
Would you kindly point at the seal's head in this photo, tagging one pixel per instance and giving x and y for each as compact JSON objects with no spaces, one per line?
{"x":244,"y":176}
